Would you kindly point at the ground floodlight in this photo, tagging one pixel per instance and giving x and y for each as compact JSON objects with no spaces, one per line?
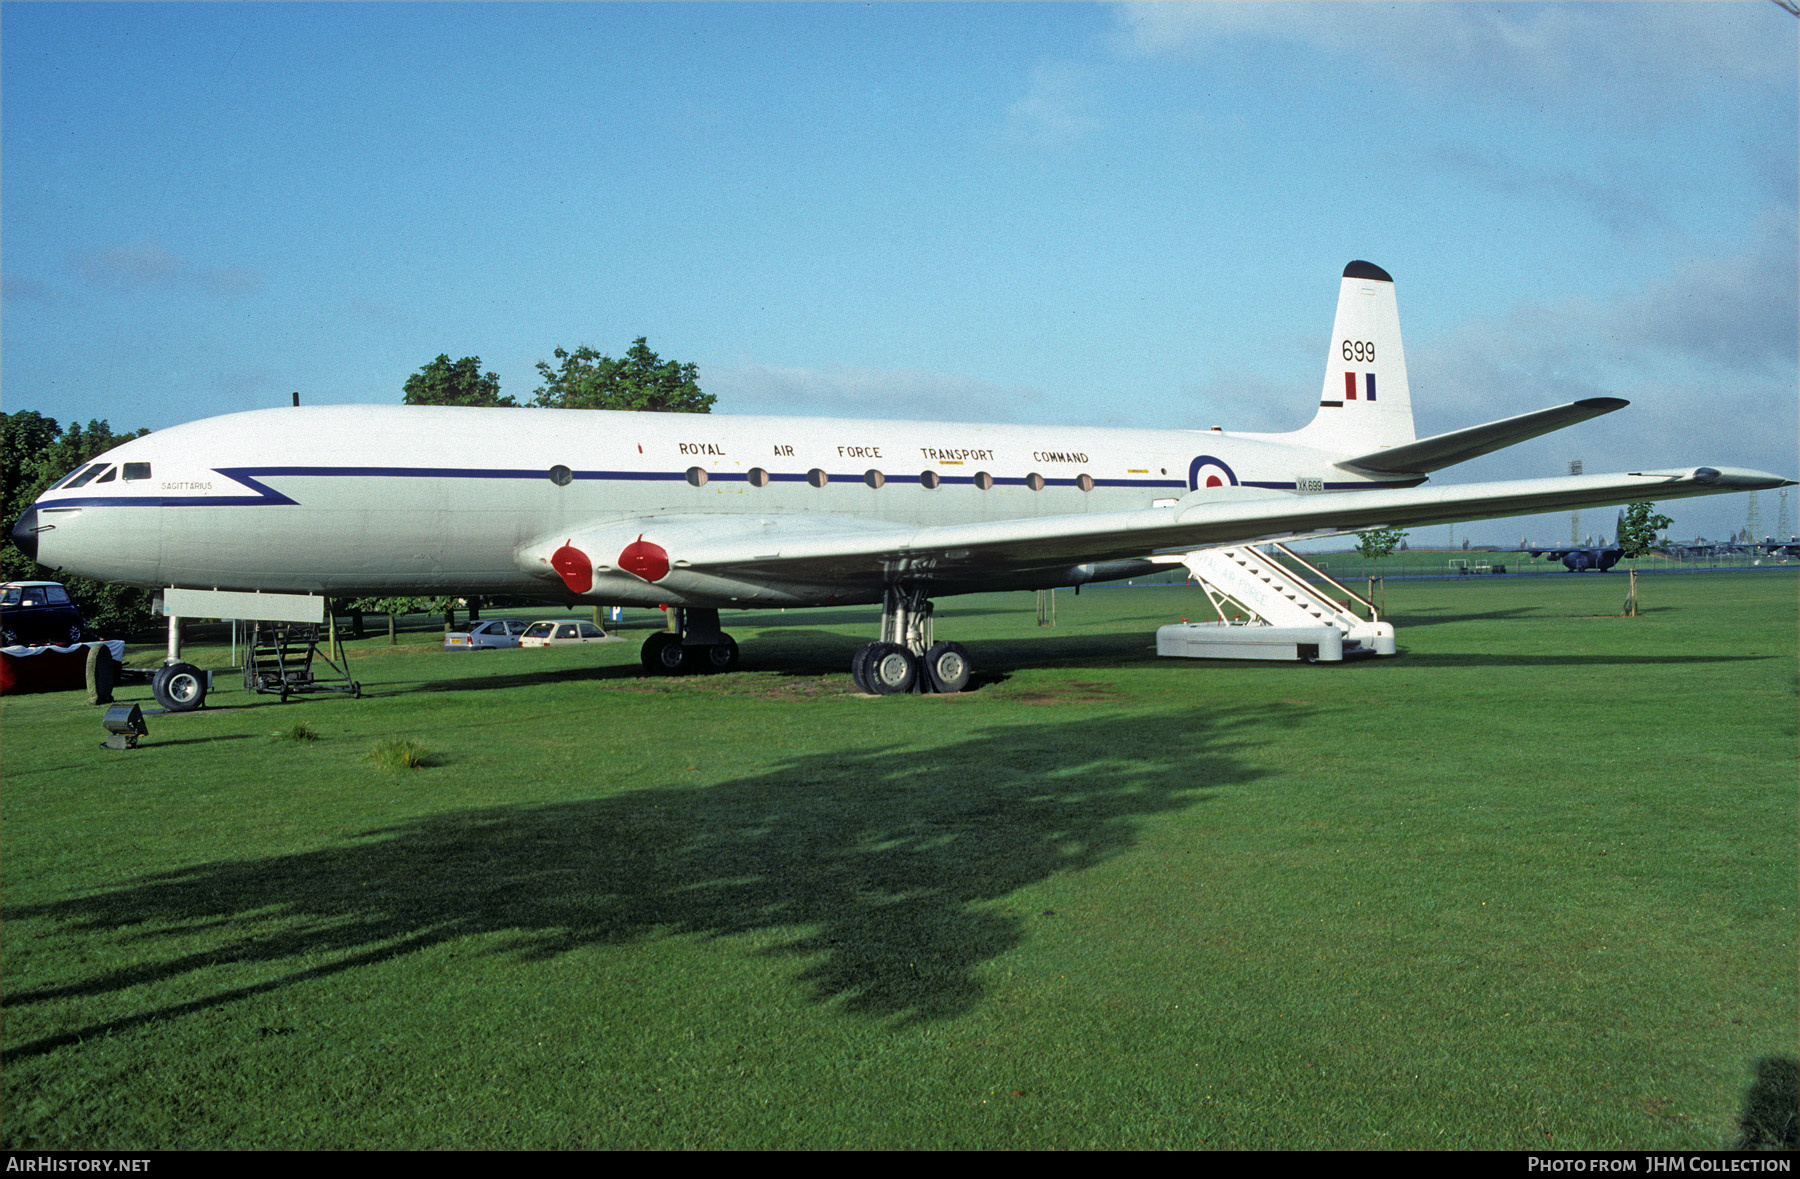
{"x":126,"y":724}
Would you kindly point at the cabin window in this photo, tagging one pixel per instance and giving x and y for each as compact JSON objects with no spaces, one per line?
{"x":135,"y":471}
{"x":817,"y":478}
{"x":697,"y":476}
{"x":1034,"y":481}
{"x":874,"y":478}
{"x":984,"y":480}
{"x":1085,"y":482}
{"x":757,"y":477}
{"x":928,"y":479}
{"x":560,"y":475}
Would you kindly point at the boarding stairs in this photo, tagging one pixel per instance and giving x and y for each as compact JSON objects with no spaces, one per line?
{"x":1287,"y":617}
{"x":281,"y":660}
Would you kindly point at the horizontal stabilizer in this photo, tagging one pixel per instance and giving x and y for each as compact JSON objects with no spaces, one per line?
{"x":1458,"y":446}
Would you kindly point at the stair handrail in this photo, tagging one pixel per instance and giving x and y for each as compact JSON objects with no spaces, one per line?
{"x":1325,"y":577}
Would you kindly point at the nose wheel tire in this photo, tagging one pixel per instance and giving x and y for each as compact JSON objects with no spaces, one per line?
{"x":179,"y":687}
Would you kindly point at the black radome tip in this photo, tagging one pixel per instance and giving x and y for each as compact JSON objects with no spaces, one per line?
{"x":1367,"y":270}
{"x":24,"y":533}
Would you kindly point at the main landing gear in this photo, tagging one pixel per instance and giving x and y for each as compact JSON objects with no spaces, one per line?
{"x":905,"y":659}
{"x":696,"y":644}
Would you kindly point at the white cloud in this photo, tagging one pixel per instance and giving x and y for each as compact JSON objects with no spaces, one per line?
{"x":1058,"y":108}
{"x":1618,"y":203}
{"x":1709,"y":358}
{"x":147,"y":264}
{"x":1627,"y":58}
{"x":18,"y":289}
{"x":865,"y":393}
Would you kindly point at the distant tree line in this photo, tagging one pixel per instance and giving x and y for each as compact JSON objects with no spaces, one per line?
{"x":582,"y":379}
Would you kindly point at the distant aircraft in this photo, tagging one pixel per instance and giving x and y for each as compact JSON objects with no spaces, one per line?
{"x":719,"y":512}
{"x":1598,"y":558}
{"x":1782,"y":548}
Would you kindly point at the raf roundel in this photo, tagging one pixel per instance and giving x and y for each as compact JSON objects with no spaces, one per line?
{"x":1207,"y":471}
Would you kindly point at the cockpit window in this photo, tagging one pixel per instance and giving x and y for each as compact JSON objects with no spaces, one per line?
{"x":136,"y":471}
{"x":82,"y":479}
{"x":111,"y":474}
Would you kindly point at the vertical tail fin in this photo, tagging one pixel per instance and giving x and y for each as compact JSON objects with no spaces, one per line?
{"x":1366,"y":405}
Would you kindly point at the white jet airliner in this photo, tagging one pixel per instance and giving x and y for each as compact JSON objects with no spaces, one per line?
{"x":704,"y":513}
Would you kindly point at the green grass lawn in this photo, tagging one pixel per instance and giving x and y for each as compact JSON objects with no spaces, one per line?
{"x":1530,"y":884}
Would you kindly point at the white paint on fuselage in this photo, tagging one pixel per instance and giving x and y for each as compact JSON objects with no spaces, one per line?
{"x":392,"y":500}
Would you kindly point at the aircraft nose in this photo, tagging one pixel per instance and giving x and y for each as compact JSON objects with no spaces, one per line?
{"x":24,"y":533}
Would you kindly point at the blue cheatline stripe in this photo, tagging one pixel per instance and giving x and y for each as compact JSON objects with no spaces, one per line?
{"x":251,"y":477}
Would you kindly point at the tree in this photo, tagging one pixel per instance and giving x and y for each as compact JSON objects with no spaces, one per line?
{"x":1638,"y":528}
{"x":639,"y":380}
{"x":460,"y":382}
{"x":35,"y":452}
{"x":394,"y":608}
{"x":1377,"y":543}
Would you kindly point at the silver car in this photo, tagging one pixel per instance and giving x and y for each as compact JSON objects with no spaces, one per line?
{"x":498,"y":632}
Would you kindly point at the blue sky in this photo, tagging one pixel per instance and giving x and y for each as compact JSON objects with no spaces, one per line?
{"x":1086,"y":214}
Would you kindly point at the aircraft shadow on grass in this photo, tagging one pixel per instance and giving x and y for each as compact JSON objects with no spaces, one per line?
{"x":804,"y":654}
{"x":1770,"y":1119}
{"x":891,"y":863}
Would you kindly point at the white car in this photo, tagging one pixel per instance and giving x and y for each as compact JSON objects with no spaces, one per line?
{"x":558,"y":634}
{"x":498,"y":632}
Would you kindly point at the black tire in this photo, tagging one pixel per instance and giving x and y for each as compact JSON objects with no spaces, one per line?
{"x":9,"y":638}
{"x":891,"y":669}
{"x":667,"y":656}
{"x":651,"y":653}
{"x":179,"y":687}
{"x":859,"y":668}
{"x":948,"y":667}
{"x":721,"y":656}
{"x":74,"y":634}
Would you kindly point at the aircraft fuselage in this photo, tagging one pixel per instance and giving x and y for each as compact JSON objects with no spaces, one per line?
{"x":401,"y":500}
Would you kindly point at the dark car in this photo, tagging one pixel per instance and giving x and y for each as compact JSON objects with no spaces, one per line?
{"x":36,"y":613}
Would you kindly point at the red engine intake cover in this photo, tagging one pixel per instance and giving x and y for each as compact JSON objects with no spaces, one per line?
{"x":573,"y":566}
{"x":649,"y":561}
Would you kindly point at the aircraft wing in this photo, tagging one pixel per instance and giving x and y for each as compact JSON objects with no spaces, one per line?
{"x":705,"y":556}
{"x":1458,"y":446}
